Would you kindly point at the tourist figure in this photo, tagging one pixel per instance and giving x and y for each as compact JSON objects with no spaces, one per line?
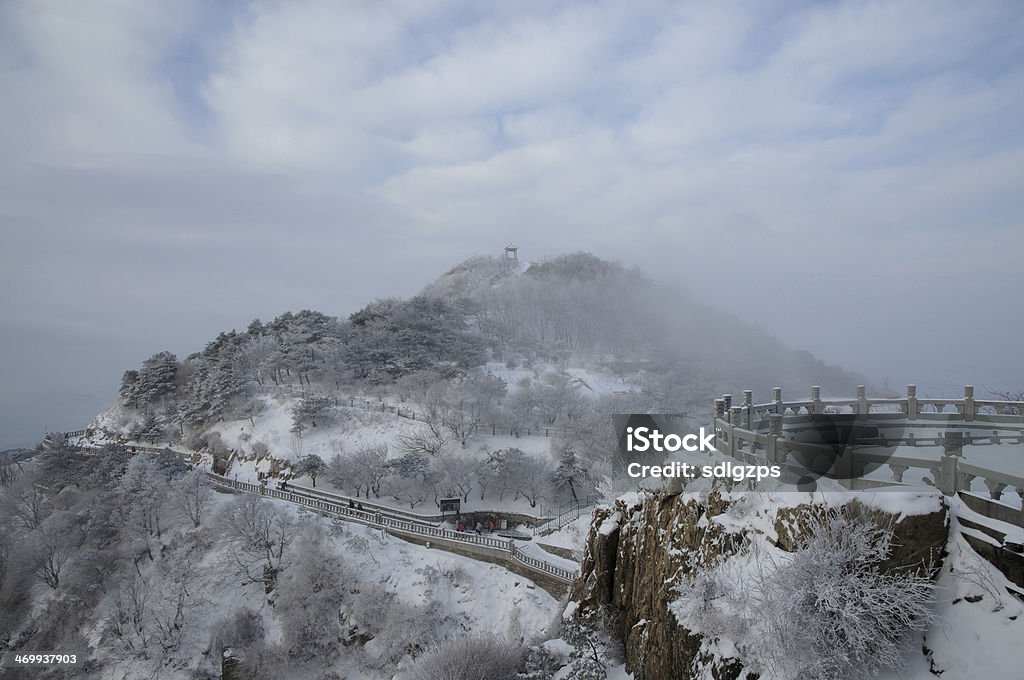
{"x":479,"y":528}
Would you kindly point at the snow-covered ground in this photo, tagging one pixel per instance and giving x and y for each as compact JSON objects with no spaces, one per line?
{"x":572,"y":536}
{"x":460,"y":594}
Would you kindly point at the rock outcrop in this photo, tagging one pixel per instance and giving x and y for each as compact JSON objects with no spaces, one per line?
{"x":637,"y":552}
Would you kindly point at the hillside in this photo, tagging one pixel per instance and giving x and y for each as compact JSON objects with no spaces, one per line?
{"x":504,"y":371}
{"x":493,"y":386}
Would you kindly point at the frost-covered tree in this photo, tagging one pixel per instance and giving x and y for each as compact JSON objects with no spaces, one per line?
{"x":825,"y":611}
{"x":408,"y":479}
{"x":129,"y":388}
{"x":254,"y":360}
{"x":429,"y":439}
{"x":315,"y":591}
{"x":193,"y":495}
{"x":410,"y":465}
{"x":27,"y":504}
{"x":591,"y":650}
{"x":312,"y":465}
{"x":365,"y":468}
{"x":459,"y":473}
{"x":150,"y":429}
{"x":468,"y":657}
{"x":310,"y":409}
{"x":833,"y":613}
{"x":569,"y":472}
{"x":51,"y":545}
{"x":140,"y":500}
{"x":157,"y":378}
{"x":258,"y":535}
{"x":527,"y":476}
{"x":532,"y":478}
{"x":391,"y":338}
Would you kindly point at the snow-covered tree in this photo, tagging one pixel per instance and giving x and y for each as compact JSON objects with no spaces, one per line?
{"x":569,"y":472}
{"x":429,"y":439}
{"x":468,"y":657}
{"x":312,"y":465}
{"x":459,"y":473}
{"x":826,"y":610}
{"x":532,"y":479}
{"x":193,"y":495}
{"x":310,"y":409}
{"x":364,"y":469}
{"x":259,"y":536}
{"x":157,"y":378}
{"x":51,"y":545}
{"x":141,"y":497}
{"x":315,"y":591}
{"x":527,"y":476}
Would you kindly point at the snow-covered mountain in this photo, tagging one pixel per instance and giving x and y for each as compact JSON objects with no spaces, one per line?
{"x":271,"y":506}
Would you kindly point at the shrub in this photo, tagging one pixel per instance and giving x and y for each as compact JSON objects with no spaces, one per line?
{"x":468,"y":658}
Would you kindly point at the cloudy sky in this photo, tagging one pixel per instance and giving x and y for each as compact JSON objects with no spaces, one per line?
{"x":849,"y":175}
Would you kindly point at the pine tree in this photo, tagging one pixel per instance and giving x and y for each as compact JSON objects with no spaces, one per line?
{"x":568,"y":473}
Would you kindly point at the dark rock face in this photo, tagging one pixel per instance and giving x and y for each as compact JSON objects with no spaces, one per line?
{"x":635,"y":555}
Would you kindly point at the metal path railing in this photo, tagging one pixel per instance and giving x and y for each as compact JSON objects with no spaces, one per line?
{"x":504,"y":548}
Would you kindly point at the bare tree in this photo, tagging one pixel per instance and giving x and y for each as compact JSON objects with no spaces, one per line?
{"x":141,"y":499}
{"x":52,"y":545}
{"x":429,"y":439}
{"x":458,"y":473}
{"x":1007,"y":395}
{"x":367,"y":468}
{"x":533,"y":479}
{"x":193,"y":495}
{"x":259,"y":535}
{"x":127,"y":619}
{"x":31,"y":505}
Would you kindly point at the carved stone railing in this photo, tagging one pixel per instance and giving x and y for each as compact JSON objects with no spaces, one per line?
{"x":769,"y":432}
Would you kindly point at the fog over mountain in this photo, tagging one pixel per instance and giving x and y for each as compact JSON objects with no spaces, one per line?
{"x":665,"y":352}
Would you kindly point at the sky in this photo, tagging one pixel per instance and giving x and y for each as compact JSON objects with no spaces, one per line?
{"x":848,"y":175}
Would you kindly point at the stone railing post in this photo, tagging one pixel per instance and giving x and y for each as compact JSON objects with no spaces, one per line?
{"x":777,"y":399}
{"x":952,"y":450}
{"x":912,"y":407}
{"x":969,"y":406}
{"x":748,"y":403}
{"x":734,"y":419}
{"x":816,"y":399}
{"x":727,"y":399}
{"x":953,"y":443}
{"x":774,"y":434}
{"x":719,"y":416}
{"x":862,"y":399}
